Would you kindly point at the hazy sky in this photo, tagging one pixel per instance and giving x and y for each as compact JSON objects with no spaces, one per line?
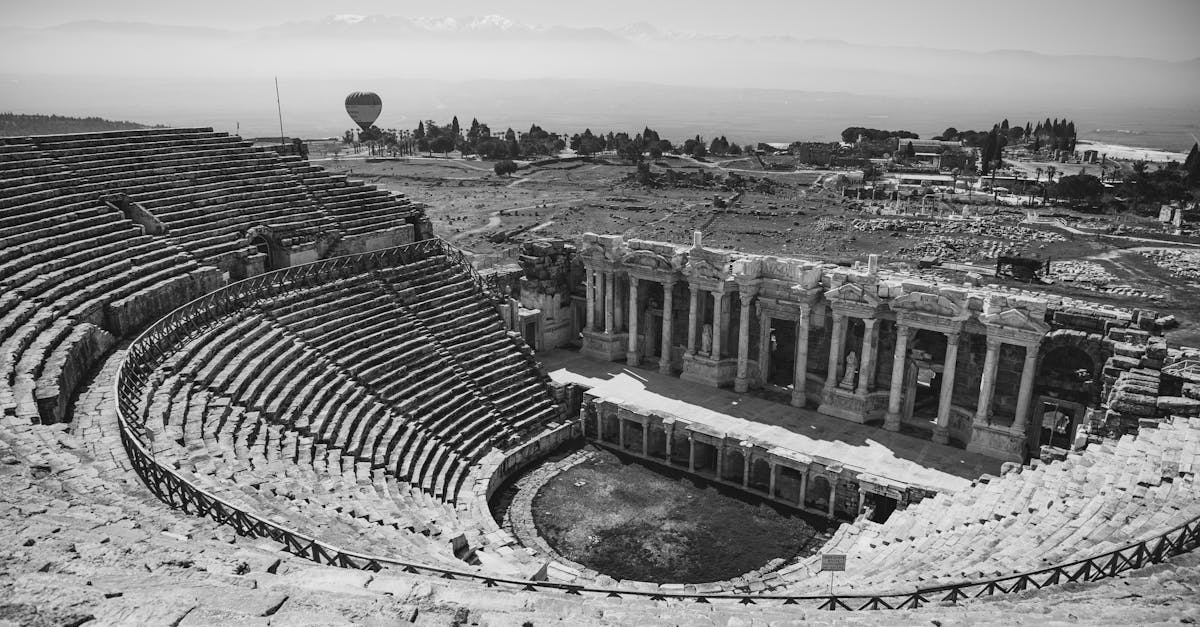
{"x":1162,"y":29}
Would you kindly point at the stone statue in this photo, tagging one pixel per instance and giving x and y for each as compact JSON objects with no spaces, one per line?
{"x":851,"y":369}
{"x":706,"y":339}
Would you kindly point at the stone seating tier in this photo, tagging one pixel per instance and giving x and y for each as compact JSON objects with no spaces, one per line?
{"x":369,"y":365}
{"x":1110,"y":495}
{"x":74,"y":273}
{"x":207,"y":188}
{"x":237,"y":455}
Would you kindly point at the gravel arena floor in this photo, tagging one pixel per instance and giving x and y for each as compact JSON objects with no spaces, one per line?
{"x":631,"y":521}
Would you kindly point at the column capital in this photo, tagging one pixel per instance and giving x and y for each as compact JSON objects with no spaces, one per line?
{"x":952,"y":338}
{"x":869,"y":323}
{"x":994,"y":343}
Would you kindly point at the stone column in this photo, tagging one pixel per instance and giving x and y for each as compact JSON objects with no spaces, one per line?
{"x":987,"y":382}
{"x":832,"y":496}
{"x":691,"y":454}
{"x":599,"y":426}
{"x":803,"y":488}
{"x":741,"y":383}
{"x":764,"y":345}
{"x":590,"y":282}
{"x":771,"y":481}
{"x":646,"y":439}
{"x":941,"y":432}
{"x":670,"y":441}
{"x":620,"y":434}
{"x":720,"y":458}
{"x":862,"y":497}
{"x":891,"y":421}
{"x":606,"y":287}
{"x":867,"y":362}
{"x":693,"y":311}
{"x":745,"y":468}
{"x":836,"y":339}
{"x":1025,"y":396}
{"x":664,"y":364}
{"x":619,"y":306}
{"x":800,"y":370}
{"x":632,"y":356}
{"x":718,"y":326}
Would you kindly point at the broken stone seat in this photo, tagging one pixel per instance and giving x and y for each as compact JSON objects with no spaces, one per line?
{"x":1110,"y":495}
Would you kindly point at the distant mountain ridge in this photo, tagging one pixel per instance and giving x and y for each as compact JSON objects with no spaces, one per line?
{"x":499,"y":28}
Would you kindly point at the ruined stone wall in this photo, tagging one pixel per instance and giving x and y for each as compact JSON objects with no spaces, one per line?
{"x":546,"y":285}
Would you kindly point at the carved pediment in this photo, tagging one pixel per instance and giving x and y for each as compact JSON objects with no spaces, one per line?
{"x":929,"y":304}
{"x":648,"y":259}
{"x":852,"y":293}
{"x":704,"y":269}
{"x":1015,"y":320}
{"x":592,"y":251}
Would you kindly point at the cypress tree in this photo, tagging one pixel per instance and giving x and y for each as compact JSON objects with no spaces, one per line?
{"x":1192,"y":167}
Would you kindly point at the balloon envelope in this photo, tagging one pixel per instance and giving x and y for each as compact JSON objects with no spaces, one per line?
{"x":364,"y":108}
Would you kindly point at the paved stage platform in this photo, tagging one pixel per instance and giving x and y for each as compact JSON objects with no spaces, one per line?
{"x":859,"y":447}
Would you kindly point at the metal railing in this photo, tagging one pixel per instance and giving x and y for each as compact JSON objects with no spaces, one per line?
{"x":152,"y":345}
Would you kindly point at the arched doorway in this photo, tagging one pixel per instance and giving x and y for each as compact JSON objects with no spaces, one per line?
{"x":1066,"y":385}
{"x":819,"y":493}
{"x":263,"y":241}
{"x":1070,"y":372}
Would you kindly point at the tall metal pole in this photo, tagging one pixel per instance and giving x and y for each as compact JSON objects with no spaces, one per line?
{"x":279,"y":108}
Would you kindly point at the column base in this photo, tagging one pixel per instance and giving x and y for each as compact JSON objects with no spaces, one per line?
{"x":799,"y":398}
{"x":605,"y":347}
{"x":741,"y":385}
{"x":996,"y":441}
{"x":664,"y":366}
{"x":633,"y":358}
{"x":941,"y":435}
{"x":709,"y":371}
{"x":891,"y":422}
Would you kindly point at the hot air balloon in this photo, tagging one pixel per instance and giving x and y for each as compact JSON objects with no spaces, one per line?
{"x":364,"y":108}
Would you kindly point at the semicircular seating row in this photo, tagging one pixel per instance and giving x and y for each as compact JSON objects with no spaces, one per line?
{"x":1105,"y":497}
{"x":354,"y":410}
{"x":76,"y":272}
{"x":206,"y":187}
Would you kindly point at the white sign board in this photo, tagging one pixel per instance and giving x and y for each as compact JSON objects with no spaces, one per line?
{"x":833,"y":561}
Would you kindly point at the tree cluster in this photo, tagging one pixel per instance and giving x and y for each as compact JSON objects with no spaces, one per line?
{"x":15,"y":124}
{"x":1054,"y":135}
{"x":851,"y":134}
{"x":1162,"y":185}
{"x":632,"y":148}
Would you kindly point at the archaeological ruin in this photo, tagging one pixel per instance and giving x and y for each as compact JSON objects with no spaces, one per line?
{"x":236,"y":387}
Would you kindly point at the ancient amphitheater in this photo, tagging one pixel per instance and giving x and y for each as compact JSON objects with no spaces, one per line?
{"x":237,"y":389}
